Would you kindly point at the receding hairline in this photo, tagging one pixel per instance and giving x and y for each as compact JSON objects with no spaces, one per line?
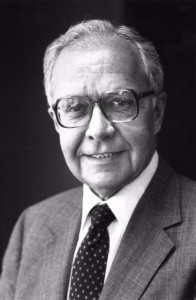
{"x":114,"y":43}
{"x":95,"y":33}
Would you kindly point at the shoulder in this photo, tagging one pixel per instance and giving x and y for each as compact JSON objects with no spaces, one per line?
{"x":188,"y":195}
{"x":187,"y":201}
{"x":176,"y":194}
{"x":57,"y":202}
{"x":188,"y":187}
{"x":175,"y":181}
{"x":51,"y":210}
{"x":175,"y":187}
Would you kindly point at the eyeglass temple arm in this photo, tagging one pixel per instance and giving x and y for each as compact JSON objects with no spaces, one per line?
{"x":145,"y":94}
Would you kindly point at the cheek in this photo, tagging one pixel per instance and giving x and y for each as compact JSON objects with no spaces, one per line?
{"x":139,"y":134}
{"x":70,"y":140}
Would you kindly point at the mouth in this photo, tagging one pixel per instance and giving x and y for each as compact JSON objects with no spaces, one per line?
{"x":102,"y":155}
{"x":105,"y":155}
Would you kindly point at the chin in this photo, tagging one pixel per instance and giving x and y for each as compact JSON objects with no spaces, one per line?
{"x":105,"y":187}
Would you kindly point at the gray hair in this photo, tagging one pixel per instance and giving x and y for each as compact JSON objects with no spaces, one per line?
{"x":96,"y":33}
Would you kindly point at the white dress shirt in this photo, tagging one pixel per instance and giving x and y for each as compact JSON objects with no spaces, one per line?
{"x":122,"y":205}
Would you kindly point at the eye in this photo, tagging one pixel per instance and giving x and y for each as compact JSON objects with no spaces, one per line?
{"x":120,"y":102}
{"x":75,"y":107}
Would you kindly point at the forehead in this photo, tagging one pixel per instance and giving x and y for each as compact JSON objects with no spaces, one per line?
{"x":95,"y":69}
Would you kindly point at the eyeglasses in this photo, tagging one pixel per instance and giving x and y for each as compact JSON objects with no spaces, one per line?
{"x":117,"y":106}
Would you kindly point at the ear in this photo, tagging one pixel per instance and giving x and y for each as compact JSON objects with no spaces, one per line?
{"x":52,"y":115}
{"x":159,"y":109}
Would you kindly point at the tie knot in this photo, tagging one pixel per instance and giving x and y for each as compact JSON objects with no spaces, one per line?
{"x":101,"y":215}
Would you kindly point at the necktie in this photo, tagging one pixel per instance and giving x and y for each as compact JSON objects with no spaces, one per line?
{"x":90,"y":263}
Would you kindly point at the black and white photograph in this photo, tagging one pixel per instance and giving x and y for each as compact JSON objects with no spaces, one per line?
{"x":98,"y":150}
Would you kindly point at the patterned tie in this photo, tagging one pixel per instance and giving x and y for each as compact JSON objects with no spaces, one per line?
{"x":90,"y":263}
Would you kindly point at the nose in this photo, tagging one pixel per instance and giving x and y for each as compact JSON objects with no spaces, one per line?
{"x":99,"y":128}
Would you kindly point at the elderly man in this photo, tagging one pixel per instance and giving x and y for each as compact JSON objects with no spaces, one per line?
{"x":130,"y":231}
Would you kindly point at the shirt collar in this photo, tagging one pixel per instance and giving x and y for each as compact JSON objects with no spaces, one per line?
{"x":125,"y":200}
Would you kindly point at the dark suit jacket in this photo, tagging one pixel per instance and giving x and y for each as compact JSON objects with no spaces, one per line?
{"x":156,"y":259}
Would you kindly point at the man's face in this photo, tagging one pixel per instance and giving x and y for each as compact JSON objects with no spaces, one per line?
{"x":128,"y":147}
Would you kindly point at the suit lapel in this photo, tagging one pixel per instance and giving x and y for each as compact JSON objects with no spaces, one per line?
{"x":145,"y":244}
{"x":59,"y":249}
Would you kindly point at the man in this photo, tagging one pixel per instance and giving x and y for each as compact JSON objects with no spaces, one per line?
{"x":104,"y":85}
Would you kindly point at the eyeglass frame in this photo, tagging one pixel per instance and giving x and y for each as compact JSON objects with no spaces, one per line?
{"x":138,"y":97}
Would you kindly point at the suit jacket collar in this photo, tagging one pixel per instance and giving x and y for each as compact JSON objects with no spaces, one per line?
{"x":145,"y":244}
